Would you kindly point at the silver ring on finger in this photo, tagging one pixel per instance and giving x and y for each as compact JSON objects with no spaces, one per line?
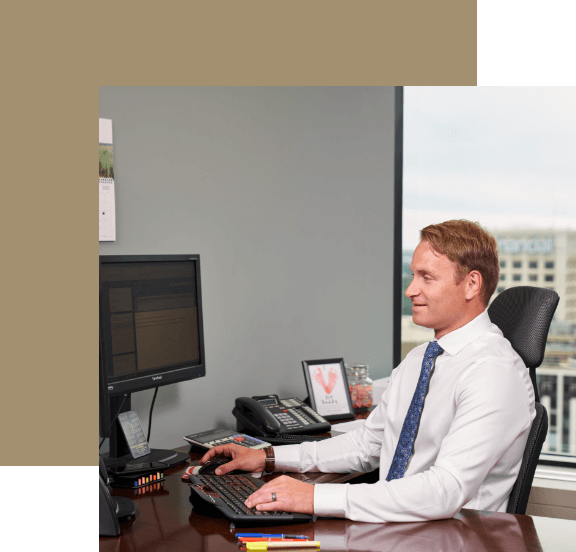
{"x":273,"y":497}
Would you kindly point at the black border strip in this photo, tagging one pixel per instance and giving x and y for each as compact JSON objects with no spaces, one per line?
{"x":557,"y":463}
{"x":397,"y":260}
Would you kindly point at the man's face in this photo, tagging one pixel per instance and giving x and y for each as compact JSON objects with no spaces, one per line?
{"x":437,"y":301}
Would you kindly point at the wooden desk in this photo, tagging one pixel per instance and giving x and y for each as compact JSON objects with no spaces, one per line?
{"x":165,"y":521}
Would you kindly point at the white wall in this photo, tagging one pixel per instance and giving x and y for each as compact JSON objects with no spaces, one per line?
{"x":287,"y":195}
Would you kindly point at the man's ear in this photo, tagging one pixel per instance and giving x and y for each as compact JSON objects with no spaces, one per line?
{"x":473,"y":284}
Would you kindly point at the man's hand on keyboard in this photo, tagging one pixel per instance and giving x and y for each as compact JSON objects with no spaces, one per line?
{"x":291,"y":496}
{"x":243,"y":458}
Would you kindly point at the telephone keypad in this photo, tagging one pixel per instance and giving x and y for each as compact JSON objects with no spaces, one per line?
{"x":286,"y":419}
{"x":294,"y":414}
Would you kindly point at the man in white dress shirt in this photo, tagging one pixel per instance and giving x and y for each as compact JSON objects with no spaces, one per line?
{"x":476,"y":416}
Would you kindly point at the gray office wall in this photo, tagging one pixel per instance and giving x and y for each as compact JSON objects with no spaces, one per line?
{"x":287,"y":195}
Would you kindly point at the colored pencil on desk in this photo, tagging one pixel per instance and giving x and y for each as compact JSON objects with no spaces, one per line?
{"x":271,"y":535}
{"x":276,"y":545}
{"x":267,"y":539}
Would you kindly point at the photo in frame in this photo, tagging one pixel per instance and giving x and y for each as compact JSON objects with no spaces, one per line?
{"x":328,"y":389}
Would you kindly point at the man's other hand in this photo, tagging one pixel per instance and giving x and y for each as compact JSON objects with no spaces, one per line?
{"x":291,"y":496}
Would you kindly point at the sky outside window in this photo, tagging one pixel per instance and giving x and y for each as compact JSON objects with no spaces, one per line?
{"x":505,"y":157}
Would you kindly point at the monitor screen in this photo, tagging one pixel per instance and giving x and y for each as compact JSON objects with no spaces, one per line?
{"x":151,"y":327}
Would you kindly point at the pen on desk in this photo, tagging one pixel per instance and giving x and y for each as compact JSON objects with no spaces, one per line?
{"x":266,"y":539}
{"x":282,"y":544}
{"x":271,"y":535}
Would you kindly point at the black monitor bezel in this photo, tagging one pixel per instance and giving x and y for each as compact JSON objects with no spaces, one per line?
{"x":158,"y":379}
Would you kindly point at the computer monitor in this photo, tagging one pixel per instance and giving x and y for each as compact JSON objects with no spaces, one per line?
{"x":151,"y":334}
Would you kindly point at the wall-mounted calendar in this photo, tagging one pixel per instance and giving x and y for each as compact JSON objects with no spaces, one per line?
{"x":106,"y":178}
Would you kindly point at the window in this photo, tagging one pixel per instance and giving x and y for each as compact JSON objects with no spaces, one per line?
{"x":502,"y":277}
{"x":501,"y":289}
{"x":458,"y":141}
{"x":549,"y":278}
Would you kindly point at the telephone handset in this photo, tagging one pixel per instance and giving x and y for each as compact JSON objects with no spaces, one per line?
{"x":268,"y":415}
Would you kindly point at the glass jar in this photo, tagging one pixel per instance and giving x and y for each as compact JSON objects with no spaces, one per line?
{"x":360,"y":386}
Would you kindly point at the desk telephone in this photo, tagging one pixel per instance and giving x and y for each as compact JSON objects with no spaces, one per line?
{"x":268,"y":416}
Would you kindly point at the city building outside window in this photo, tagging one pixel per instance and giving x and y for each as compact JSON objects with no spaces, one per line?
{"x":503,"y":157}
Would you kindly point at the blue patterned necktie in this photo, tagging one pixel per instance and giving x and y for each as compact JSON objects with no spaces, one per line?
{"x":410,"y":427}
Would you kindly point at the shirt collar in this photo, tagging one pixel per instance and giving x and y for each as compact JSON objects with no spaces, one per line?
{"x":455,"y":341}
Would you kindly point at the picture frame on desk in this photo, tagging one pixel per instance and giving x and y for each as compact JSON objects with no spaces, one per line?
{"x":328,"y":389}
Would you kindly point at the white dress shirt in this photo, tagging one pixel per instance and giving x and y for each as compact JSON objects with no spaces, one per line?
{"x":469,"y":446}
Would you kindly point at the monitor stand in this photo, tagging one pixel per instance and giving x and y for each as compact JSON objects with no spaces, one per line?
{"x":170,"y":458}
{"x":120,"y":455}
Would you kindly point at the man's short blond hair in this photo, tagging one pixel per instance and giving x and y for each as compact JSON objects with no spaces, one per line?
{"x":471,"y":247}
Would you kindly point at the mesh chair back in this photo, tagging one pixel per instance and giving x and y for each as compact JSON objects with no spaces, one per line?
{"x":524,"y":314}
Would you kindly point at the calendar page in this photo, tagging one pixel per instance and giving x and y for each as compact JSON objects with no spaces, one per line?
{"x":106,"y":182}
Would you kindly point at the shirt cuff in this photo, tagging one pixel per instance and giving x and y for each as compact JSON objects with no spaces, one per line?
{"x":286,"y":458}
{"x":330,"y":499}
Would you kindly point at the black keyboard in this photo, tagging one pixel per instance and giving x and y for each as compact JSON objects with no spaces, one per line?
{"x":227,"y":494}
{"x":288,"y":439}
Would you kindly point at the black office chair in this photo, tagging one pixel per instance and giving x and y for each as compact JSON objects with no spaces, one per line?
{"x":524,"y":315}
